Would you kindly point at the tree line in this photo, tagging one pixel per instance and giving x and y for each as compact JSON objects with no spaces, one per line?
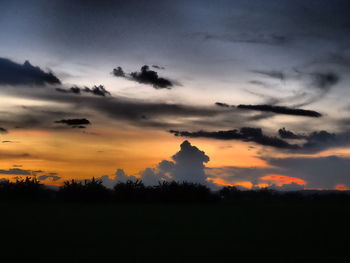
{"x":30,"y":188}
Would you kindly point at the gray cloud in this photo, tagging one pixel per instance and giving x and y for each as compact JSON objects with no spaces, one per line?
{"x":12,"y":73}
{"x":95,"y":90}
{"x":281,"y":110}
{"x":145,"y":76}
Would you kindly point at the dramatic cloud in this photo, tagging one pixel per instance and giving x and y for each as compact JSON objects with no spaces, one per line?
{"x":12,"y":73}
{"x":281,"y":110}
{"x":95,"y":90}
{"x":145,"y":76}
{"x":247,"y":134}
{"x":188,"y":165}
{"x":75,"y":123}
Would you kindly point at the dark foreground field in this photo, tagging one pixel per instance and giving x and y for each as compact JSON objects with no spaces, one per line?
{"x":246,"y":232}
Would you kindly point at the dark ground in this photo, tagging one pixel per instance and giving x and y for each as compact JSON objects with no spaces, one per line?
{"x":246,"y":232}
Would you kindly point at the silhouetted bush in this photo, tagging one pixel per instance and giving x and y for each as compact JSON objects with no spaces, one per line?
{"x":24,"y":189}
{"x":131,"y":191}
{"x":88,"y":190}
{"x":182,"y":192}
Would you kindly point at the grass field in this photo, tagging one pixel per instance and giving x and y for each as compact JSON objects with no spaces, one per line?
{"x":280,"y":232}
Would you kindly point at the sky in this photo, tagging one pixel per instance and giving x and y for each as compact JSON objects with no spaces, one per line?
{"x":230,"y":92}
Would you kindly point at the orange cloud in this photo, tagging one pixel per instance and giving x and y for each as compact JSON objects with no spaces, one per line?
{"x":281,"y":180}
{"x":342,"y":187}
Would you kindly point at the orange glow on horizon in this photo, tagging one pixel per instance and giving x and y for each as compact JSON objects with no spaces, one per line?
{"x":342,"y":187}
{"x":281,"y":180}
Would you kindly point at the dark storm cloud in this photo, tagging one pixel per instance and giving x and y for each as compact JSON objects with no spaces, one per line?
{"x":95,"y":90}
{"x":281,"y":110}
{"x":74,"y":122}
{"x":12,"y":73}
{"x":145,"y":76}
{"x":286,"y":134}
{"x":275,"y":74}
{"x":246,"y":134}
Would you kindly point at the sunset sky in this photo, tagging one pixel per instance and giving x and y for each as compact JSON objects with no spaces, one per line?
{"x":111,"y":89}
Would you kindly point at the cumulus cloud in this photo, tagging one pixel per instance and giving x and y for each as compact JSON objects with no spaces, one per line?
{"x":281,"y":110}
{"x":120,"y":176}
{"x":187,"y":165}
{"x":12,"y":73}
{"x":145,"y":76}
